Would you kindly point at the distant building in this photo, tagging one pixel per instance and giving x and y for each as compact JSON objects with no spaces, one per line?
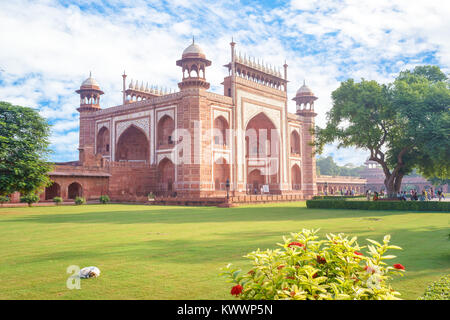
{"x":374,"y":175}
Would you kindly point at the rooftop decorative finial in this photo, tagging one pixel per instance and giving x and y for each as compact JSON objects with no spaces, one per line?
{"x":193,"y":40}
{"x":304,"y":82}
{"x":90,"y":74}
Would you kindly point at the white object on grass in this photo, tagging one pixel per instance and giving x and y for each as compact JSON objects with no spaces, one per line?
{"x":89,"y":272}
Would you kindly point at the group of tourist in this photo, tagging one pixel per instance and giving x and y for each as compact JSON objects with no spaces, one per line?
{"x":426,"y":195}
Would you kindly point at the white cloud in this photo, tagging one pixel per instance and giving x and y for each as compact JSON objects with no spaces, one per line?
{"x":48,"y":48}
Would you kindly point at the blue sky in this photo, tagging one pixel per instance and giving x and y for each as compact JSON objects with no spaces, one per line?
{"x":49,"y":47}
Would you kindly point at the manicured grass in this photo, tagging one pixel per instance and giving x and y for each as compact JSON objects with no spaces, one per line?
{"x":155,"y":252}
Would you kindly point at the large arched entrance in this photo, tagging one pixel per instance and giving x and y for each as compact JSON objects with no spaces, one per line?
{"x":296,"y":177}
{"x":263,"y":151}
{"x":103,"y":142}
{"x":166,"y":126}
{"x":132,"y":145}
{"x":221,"y":174}
{"x":75,"y":190}
{"x":166,"y":175}
{"x":52,"y":191}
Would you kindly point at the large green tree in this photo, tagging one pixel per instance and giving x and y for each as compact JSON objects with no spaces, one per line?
{"x":24,"y":148}
{"x":404,"y":124}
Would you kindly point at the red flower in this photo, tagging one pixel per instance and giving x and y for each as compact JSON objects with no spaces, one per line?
{"x":321,"y":260}
{"x":292,"y":278}
{"x":314,"y":275}
{"x":280,"y":267}
{"x":399,"y":266}
{"x":298,"y":244}
{"x":369,"y":269}
{"x":292,"y":293}
{"x":251,"y":272}
{"x":236,"y":290}
{"x":358,"y":253}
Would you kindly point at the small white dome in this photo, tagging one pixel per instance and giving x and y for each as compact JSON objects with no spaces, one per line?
{"x":193,"y":49}
{"x":90,"y":82}
{"x":304,"y":90}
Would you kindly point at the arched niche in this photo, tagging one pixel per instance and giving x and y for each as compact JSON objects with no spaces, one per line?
{"x":132,"y":145}
{"x":103,"y":139}
{"x":52,"y":191}
{"x":166,"y":175}
{"x":165,"y":129}
{"x":220,"y":131}
{"x":74,"y":190}
{"x":296,"y":177}
{"x":221,"y":173}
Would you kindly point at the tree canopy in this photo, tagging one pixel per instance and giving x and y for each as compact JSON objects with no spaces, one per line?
{"x":404,"y":124}
{"x":327,"y":166}
{"x":24,"y":148}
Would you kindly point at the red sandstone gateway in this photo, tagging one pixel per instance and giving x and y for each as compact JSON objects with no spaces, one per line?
{"x":187,"y":144}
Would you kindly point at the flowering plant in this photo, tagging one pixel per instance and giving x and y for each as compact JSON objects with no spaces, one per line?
{"x":306,"y":268}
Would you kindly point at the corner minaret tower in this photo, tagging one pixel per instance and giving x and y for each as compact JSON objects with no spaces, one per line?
{"x":304,"y":99}
{"x":89,"y":95}
{"x":193,"y":63}
{"x":89,"y":103}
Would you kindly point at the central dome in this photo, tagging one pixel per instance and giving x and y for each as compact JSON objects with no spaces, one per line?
{"x":193,"y":51}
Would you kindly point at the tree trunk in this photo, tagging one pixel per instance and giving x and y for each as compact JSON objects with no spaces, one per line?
{"x":393,"y":184}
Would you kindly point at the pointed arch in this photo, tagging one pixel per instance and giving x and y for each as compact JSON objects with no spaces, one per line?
{"x":221,"y":173}
{"x":165,"y":129}
{"x":103,"y":139}
{"x":132,"y":145}
{"x":296,"y":177}
{"x":166,"y":175}
{"x":52,"y":191}
{"x":221,"y":127}
{"x":295,"y":142}
{"x":74,"y":190}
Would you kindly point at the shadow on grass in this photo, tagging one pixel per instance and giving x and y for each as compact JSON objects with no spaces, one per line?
{"x":177,"y":215}
{"x":432,"y":252}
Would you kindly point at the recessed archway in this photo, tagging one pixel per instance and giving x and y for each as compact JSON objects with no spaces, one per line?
{"x":75,"y":190}
{"x":52,"y":191}
{"x":295,"y":142}
{"x":220,"y":131}
{"x":166,"y":175}
{"x":263,"y":147}
{"x":296,"y":177}
{"x":103,"y":141}
{"x":132,"y":145}
{"x":166,"y":126}
{"x":255,"y":180}
{"x":221,"y":174}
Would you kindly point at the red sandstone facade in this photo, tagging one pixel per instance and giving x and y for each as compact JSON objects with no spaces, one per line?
{"x":188,"y":144}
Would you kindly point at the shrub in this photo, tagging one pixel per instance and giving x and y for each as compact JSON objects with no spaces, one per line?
{"x":309,"y":269}
{"x":151,"y":196}
{"x":57,"y":200}
{"x":79,"y":200}
{"x":104,"y":199}
{"x":379,"y":205}
{"x":30,"y":199}
{"x":4,"y":199}
{"x":438,"y":290}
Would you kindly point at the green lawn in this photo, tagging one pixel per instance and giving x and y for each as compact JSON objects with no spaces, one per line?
{"x":156,"y":252}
